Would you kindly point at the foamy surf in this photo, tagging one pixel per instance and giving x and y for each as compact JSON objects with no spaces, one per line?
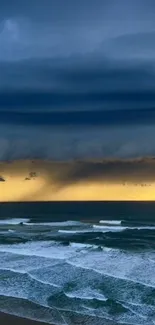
{"x":54,"y":224}
{"x":14,"y":221}
{"x":111,"y":222}
{"x":86,"y":293}
{"x":108,"y":229}
{"x":83,"y":246}
{"x":67,"y":231}
{"x":48,"y":249}
{"x":90,"y":273}
{"x":120,"y":228}
{"x":63,"y":231}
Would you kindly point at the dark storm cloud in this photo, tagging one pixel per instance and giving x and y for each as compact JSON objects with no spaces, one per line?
{"x":142,"y":170}
{"x":52,"y":28}
{"x":134,"y":45}
{"x":51,"y":8}
{"x":67,"y":143}
{"x":115,"y":171}
{"x":65,"y":57}
{"x":81,"y":118}
{"x":85,"y":83}
{"x":77,"y":63}
{"x":57,"y":10}
{"x":82,"y":73}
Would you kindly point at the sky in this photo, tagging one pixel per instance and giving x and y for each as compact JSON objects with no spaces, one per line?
{"x":77,"y":79}
{"x":47,"y":180}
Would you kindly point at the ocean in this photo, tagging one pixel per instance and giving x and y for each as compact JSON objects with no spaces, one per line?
{"x":90,"y":263}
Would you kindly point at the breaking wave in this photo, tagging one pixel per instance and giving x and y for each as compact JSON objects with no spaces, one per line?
{"x":111,"y":222}
{"x":73,"y":272}
{"x":14,"y":221}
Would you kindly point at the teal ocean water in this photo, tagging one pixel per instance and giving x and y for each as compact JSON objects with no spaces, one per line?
{"x":71,"y":263}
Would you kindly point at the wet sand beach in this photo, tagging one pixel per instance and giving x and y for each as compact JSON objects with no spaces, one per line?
{"x":6,"y":319}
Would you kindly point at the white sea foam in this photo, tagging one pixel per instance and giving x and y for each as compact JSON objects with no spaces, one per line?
{"x":83,"y":246}
{"x":13,"y":270}
{"x":5,"y":232}
{"x":115,"y":265}
{"x":14,"y":221}
{"x":67,"y":231}
{"x":109,"y":229}
{"x":111,"y":222}
{"x":86,"y":293}
{"x":74,"y":231}
{"x":144,"y":228}
{"x":111,"y":262}
{"x":136,"y":268}
{"x":47,"y":249}
{"x":54,"y":224}
{"x":120,"y":228}
{"x":25,"y":263}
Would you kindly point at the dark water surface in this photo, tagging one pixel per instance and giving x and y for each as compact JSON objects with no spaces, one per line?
{"x":71,"y":263}
{"x":75,"y":210}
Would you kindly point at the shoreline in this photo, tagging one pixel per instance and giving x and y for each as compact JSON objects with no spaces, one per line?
{"x":7,"y":319}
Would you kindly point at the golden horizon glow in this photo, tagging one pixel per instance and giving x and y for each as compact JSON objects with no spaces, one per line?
{"x":16,"y":188}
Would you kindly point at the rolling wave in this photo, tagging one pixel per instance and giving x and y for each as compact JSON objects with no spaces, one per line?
{"x":121,"y":228}
{"x":54,"y":224}
{"x":80,"y":292}
{"x":111,"y":222}
{"x":78,"y":273}
{"x":13,"y":221}
{"x":48,"y":249}
{"x":63,"y":231}
{"x":108,"y":229}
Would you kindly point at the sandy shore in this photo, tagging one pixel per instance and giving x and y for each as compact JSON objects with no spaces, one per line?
{"x":6,"y":319}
